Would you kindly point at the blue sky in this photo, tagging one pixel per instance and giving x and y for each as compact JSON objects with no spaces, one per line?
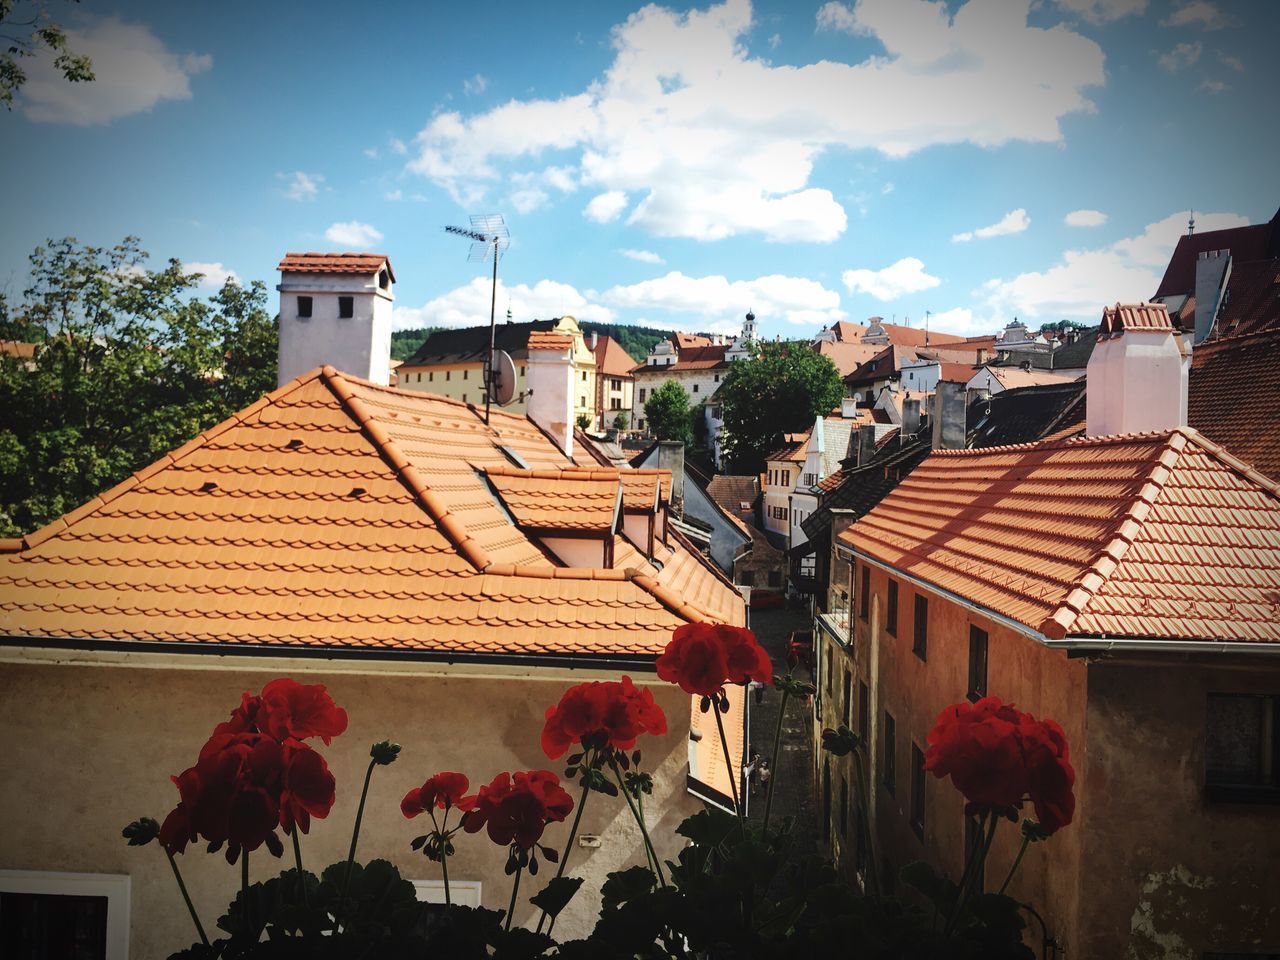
{"x":671,"y":165}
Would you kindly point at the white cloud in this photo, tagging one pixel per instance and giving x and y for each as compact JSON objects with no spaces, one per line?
{"x":1235,"y":63}
{"x":1085,"y":218}
{"x":837,"y":17}
{"x":474,"y":85}
{"x":1183,"y":55}
{"x":1198,"y":13}
{"x":887,"y":189}
{"x":774,"y":40}
{"x":1103,"y":11}
{"x":1085,"y":281}
{"x":896,"y":280}
{"x":642,"y":256}
{"x":133,"y":71}
{"x":795,"y":299}
{"x":710,"y":141}
{"x":398,"y":146}
{"x":371,"y":153}
{"x":528,"y":200}
{"x":1215,"y":86}
{"x":353,"y":233}
{"x":1015,"y":221}
{"x":300,"y":185}
{"x":468,"y":305}
{"x":962,"y":321}
{"x":215,"y":274}
{"x":606,"y":206}
{"x":394,"y":195}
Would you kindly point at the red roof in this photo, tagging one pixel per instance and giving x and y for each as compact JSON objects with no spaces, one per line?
{"x":690,"y":358}
{"x":1234,"y":396}
{"x":1162,"y":535}
{"x":1258,"y":242}
{"x":336,"y":263}
{"x":686,"y":341}
{"x":611,"y":359}
{"x":1251,"y":302}
{"x":549,"y":340}
{"x":337,"y":513}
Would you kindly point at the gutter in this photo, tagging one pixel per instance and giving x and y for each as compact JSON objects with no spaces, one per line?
{"x":1075,"y":646}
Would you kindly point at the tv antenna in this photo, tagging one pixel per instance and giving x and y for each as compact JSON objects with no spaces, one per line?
{"x":489,"y":238}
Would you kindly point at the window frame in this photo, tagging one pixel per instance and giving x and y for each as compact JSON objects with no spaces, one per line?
{"x":464,"y":892}
{"x":864,"y":600}
{"x":920,"y":628}
{"x":346,"y":307}
{"x":116,"y":887}
{"x":306,"y":307}
{"x":846,"y":705}
{"x":978,"y":639}
{"x":1261,"y":791}
{"x":891,"y":609}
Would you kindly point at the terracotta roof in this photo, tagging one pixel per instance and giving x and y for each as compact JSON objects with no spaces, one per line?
{"x":692,"y":358}
{"x":956,"y":372}
{"x":887,"y":364}
{"x":686,"y":341}
{"x":1013,"y":377}
{"x":16,"y":348}
{"x":847,"y":355}
{"x":730,"y":492}
{"x":558,"y":499}
{"x":1234,"y":396}
{"x":1258,"y":242}
{"x":1145,"y":317}
{"x":795,"y":447}
{"x":336,"y":513}
{"x":833,"y":481}
{"x":611,"y":359}
{"x":336,"y":263}
{"x":1251,"y":302}
{"x":549,"y":340}
{"x":1162,"y":535}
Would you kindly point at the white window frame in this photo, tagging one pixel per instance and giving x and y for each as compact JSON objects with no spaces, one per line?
{"x":463,"y":892}
{"x":113,"y":886}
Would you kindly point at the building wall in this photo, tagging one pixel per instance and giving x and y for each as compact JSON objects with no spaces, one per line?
{"x":87,"y":749}
{"x":781,"y":477}
{"x":914,"y":692}
{"x":698,"y":384}
{"x":1171,"y":875}
{"x":615,"y":395}
{"x":359,"y":345}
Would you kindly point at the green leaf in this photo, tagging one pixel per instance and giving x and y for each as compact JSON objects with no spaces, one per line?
{"x":626,"y":885}
{"x":555,"y":896}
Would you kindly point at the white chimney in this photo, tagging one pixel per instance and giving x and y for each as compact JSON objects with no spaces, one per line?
{"x":550,"y":386}
{"x":335,"y":308}
{"x":1137,"y":375}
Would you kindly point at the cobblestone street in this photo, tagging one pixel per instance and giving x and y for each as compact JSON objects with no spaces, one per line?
{"x":793,"y":781}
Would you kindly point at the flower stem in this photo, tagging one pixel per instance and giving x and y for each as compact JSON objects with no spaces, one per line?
{"x":444,"y":841}
{"x":244,"y":888}
{"x":773,"y":764}
{"x":515,"y":888}
{"x":986,"y":825}
{"x":297,"y":858}
{"x":564,"y":857}
{"x":1026,"y":841}
{"x":733,"y":771}
{"x":650,"y":853}
{"x":355,"y":836}
{"x":177,"y":875}
{"x":444,"y":869}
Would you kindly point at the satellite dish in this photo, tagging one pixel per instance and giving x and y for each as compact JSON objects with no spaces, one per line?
{"x":502,"y":381}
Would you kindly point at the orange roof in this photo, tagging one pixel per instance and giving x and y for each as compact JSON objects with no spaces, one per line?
{"x":831,"y":482}
{"x":549,"y":340}
{"x":16,"y":348}
{"x":1154,"y":536}
{"x":847,"y":355}
{"x":1013,"y":377}
{"x":611,"y":359}
{"x":336,"y":513}
{"x":1147,"y":317}
{"x":640,"y":490}
{"x":684,"y":341}
{"x":558,"y":499}
{"x":706,"y":357}
{"x":795,"y":447}
{"x":335,"y":263}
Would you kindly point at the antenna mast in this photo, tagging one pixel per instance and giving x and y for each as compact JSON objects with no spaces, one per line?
{"x":489,"y":236}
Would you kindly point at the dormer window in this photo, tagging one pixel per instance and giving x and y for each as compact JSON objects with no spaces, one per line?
{"x":346,"y":308}
{"x":304,"y":308}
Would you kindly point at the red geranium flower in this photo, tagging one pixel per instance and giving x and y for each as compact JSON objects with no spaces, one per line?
{"x":998,"y":756}
{"x":703,"y":657}
{"x":291,"y":709}
{"x":308,"y":790}
{"x":444,"y":790}
{"x":516,"y":808}
{"x":615,"y":714}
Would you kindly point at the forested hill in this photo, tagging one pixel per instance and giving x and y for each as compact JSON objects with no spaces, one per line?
{"x":637,"y":341}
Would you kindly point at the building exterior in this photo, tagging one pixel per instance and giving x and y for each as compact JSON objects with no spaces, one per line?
{"x":992,"y":379}
{"x":615,"y":384}
{"x":695,"y":363}
{"x":451,"y":364}
{"x":446,"y":578}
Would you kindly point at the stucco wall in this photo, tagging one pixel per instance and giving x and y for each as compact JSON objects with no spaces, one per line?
{"x":87,"y":749}
{"x":1169,"y":874}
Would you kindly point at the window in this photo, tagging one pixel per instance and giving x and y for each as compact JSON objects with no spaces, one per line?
{"x":584,"y":376}
{"x":826,"y":801}
{"x":47,"y":914}
{"x":864,"y":601}
{"x":522,"y":369}
{"x":920,"y":646}
{"x":864,"y":709}
{"x":747,"y":578}
{"x":890,"y":753}
{"x":419,"y":380}
{"x":464,"y":374}
{"x":977,"y":663}
{"x":465,"y":892}
{"x":848,"y":698}
{"x":431,"y":376}
{"x":464,"y":398}
{"x":642,"y":394}
{"x":917,"y":791}
{"x":304,"y":308}
{"x":830,"y":667}
{"x":384,"y":281}
{"x":346,"y":308}
{"x":1242,"y":748}
{"x":717,"y":378}
{"x":448,"y":375}
{"x":775,"y":578}
{"x":695,"y":388}
{"x":891,"y":611}
{"x":844,"y":806}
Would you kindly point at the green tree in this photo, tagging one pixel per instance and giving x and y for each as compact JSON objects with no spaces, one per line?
{"x":25,"y":30}
{"x":621,"y":420}
{"x":667,"y":414}
{"x":129,"y":365}
{"x":781,"y":390}
{"x":583,"y":421}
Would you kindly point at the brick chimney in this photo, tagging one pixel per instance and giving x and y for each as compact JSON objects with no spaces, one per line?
{"x":550,"y":386}
{"x":949,"y":414}
{"x":1137,"y":374}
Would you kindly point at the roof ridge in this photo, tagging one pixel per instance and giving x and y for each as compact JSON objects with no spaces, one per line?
{"x":141,"y":475}
{"x":421,"y":394}
{"x":1219,"y":452}
{"x":1232,"y":340}
{"x":1127,"y":530}
{"x":1105,"y":440}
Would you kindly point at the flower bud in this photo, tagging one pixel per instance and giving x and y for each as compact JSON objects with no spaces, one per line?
{"x":384,"y":753}
{"x":141,"y":832}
